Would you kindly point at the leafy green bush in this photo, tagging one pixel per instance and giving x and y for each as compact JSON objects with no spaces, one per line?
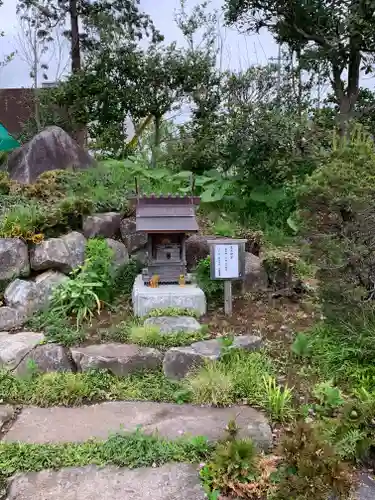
{"x":214,"y":289}
{"x":90,"y":285}
{"x":277,"y":400}
{"x":337,"y":210}
{"x":233,"y":462}
{"x":125,"y":277}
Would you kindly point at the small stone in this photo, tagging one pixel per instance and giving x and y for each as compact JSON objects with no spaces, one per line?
{"x":63,"y":254}
{"x":23,"y":295}
{"x":10,"y":318}
{"x":14,"y":347}
{"x":106,"y":225}
{"x":14,"y":259}
{"x":119,"y":359}
{"x":174,"y":324}
{"x":45,"y":358}
{"x":134,"y":241}
{"x":6,"y":414}
{"x":120,"y":253}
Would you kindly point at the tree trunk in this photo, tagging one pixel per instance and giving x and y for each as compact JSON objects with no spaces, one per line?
{"x":75,"y":45}
{"x":157,"y":140}
{"x":81,"y":132}
{"x":36,"y":90}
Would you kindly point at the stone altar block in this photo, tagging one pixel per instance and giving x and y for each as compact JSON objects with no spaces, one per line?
{"x":146,"y":298}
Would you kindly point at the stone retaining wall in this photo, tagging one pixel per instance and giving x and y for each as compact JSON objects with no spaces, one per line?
{"x":30,"y":273}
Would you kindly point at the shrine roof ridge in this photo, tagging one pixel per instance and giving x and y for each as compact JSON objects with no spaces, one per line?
{"x":168,"y":199}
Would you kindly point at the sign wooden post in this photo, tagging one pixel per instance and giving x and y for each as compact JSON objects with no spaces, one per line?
{"x":227,"y":264}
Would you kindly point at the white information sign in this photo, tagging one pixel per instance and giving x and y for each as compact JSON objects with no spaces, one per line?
{"x":226,"y":261}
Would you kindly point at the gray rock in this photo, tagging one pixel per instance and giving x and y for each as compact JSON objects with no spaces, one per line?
{"x":23,"y":295}
{"x":133,"y":241}
{"x":51,"y":149}
{"x":106,"y":225}
{"x":255,"y":274}
{"x":170,"y":324}
{"x":64,"y":254}
{"x":120,"y":253}
{"x":11,"y":319}
{"x":141,"y":256}
{"x":14,"y":259}
{"x":168,"y":482}
{"x":197,"y":249}
{"x":180,"y":361}
{"x":54,"y":425}
{"x":45,"y":358}
{"x":14,"y":347}
{"x":366,"y":488}
{"x":47,"y":283}
{"x":6,"y":414}
{"x":119,"y":359}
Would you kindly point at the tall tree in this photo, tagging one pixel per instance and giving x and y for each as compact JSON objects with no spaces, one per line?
{"x":95,"y":17}
{"x":339,"y":36}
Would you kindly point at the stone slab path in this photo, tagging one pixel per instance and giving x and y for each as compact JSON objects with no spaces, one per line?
{"x":169,"y":482}
{"x":60,"y":424}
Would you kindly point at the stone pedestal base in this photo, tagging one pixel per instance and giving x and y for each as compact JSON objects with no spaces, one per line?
{"x":184,"y":297}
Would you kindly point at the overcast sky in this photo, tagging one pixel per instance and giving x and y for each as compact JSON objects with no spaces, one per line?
{"x":239,"y":51}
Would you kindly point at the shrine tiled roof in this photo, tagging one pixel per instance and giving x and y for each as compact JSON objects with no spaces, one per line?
{"x":166,"y":213}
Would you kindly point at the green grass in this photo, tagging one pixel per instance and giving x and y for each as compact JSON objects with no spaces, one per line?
{"x":73,"y":389}
{"x":122,"y":450}
{"x":152,"y":337}
{"x":344,"y":353}
{"x":56,"y":328}
{"x":239,"y":376}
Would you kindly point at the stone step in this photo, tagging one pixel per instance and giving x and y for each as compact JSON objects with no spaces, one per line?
{"x":60,"y":424}
{"x":171,"y":481}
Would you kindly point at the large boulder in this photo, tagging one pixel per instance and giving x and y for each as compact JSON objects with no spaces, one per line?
{"x":45,"y":358}
{"x":51,"y":149}
{"x":63,"y":254}
{"x":119,"y":359}
{"x":14,"y":347}
{"x":197,"y":248}
{"x":11,"y":319}
{"x":14,"y":259}
{"x":120,"y":253}
{"x":106,"y":225}
{"x":134,"y":241}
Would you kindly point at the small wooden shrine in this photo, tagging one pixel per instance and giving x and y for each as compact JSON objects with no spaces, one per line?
{"x":167,"y":220}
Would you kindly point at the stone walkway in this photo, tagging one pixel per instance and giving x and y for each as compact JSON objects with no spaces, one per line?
{"x":60,"y":424}
{"x":168,"y":482}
